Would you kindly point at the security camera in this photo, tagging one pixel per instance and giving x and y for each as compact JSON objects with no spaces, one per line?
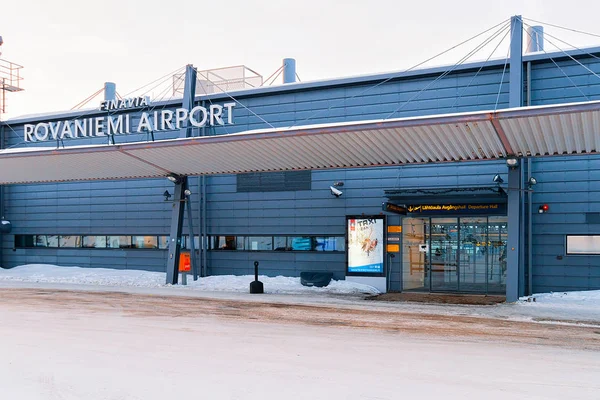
{"x":335,"y":192}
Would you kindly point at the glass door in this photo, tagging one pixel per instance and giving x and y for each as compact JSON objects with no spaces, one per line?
{"x":498,"y":235}
{"x":466,"y":254}
{"x":415,"y":244}
{"x":474,"y":243}
{"x":444,"y":241}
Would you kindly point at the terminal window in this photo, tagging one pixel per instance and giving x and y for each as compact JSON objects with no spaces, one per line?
{"x":583,"y":244}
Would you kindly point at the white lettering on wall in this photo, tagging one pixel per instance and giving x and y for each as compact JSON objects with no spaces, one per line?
{"x":37,"y":133}
{"x":159,"y":120}
{"x":28,"y":131}
{"x":66,"y":130}
{"x":215,"y":114}
{"x":99,"y":125}
{"x":115,"y":125}
{"x":194,"y":121}
{"x":144,"y":123}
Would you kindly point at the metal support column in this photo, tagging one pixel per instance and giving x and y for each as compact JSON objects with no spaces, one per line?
{"x":175,"y":231}
{"x":179,"y":198}
{"x":189,"y":94}
{"x":514,"y":229}
{"x":514,"y":258}
{"x":204,"y":245}
{"x":516,"y":62}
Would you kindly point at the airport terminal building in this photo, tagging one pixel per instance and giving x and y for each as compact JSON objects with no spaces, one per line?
{"x":432,"y":224}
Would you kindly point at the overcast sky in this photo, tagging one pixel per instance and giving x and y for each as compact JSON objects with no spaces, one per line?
{"x":69,"y":48}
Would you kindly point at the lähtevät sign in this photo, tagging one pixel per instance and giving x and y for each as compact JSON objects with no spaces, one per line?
{"x":123,"y":124}
{"x":461,"y":208}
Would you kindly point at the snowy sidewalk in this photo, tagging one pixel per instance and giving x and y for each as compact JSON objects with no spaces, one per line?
{"x":562,"y":307}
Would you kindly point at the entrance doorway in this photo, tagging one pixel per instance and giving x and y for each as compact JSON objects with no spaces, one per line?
{"x":457,"y":254}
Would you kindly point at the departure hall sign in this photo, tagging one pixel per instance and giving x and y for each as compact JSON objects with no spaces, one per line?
{"x":151,"y":120}
{"x":462,"y":208}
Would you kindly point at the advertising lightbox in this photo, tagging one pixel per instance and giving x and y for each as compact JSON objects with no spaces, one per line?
{"x":366,"y":243}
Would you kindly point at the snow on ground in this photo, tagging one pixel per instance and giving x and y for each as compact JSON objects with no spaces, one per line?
{"x":45,"y":273}
{"x":573,"y":302}
{"x":559,"y":307}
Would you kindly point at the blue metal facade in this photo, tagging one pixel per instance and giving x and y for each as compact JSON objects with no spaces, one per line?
{"x":571,"y":185}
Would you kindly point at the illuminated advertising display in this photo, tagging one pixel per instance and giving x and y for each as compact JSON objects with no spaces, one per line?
{"x":366,"y":242}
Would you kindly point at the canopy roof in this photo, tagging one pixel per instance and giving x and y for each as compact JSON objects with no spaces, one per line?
{"x":533,"y":131}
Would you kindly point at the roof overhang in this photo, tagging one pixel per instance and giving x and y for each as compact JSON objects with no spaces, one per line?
{"x":532,"y":131}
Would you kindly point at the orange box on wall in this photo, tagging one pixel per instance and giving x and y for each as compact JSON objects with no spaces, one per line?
{"x":184,"y":262}
{"x":393,"y":248}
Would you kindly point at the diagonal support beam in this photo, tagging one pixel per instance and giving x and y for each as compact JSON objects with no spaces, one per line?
{"x":501,"y":135}
{"x":192,"y":247}
{"x":175,"y":231}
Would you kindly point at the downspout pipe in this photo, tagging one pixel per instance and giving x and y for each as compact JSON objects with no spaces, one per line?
{"x":529,"y":231}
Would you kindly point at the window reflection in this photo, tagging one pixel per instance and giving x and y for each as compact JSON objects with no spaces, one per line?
{"x":119,"y":242}
{"x":255,"y":243}
{"x":94,"y":242}
{"x":224,"y":242}
{"x":70,"y":241}
{"x":144,"y":242}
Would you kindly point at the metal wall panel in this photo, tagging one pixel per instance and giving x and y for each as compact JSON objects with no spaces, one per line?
{"x":137,"y":207}
{"x":571,"y":191}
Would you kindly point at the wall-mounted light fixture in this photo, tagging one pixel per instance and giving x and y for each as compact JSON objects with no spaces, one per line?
{"x":512,"y":162}
{"x":167,"y":195}
{"x":174,"y":178}
{"x":531,"y":182}
{"x":5,"y":226}
{"x":187,"y":192}
{"x":498,"y":179}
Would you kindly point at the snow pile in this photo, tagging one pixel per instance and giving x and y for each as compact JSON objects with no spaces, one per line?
{"x":573,"y":303}
{"x":279,"y":284}
{"x":584,"y":298}
{"x":45,"y":273}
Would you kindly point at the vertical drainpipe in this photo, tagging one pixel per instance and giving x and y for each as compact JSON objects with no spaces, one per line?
{"x":514,"y":271}
{"x":289,"y":70}
{"x":535,"y":42}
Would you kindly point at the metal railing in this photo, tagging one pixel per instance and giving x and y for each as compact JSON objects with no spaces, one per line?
{"x":220,"y":80}
{"x":10,"y":76}
{"x":10,"y":81}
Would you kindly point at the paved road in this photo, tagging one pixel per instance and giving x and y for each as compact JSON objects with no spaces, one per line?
{"x":74,"y":345}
